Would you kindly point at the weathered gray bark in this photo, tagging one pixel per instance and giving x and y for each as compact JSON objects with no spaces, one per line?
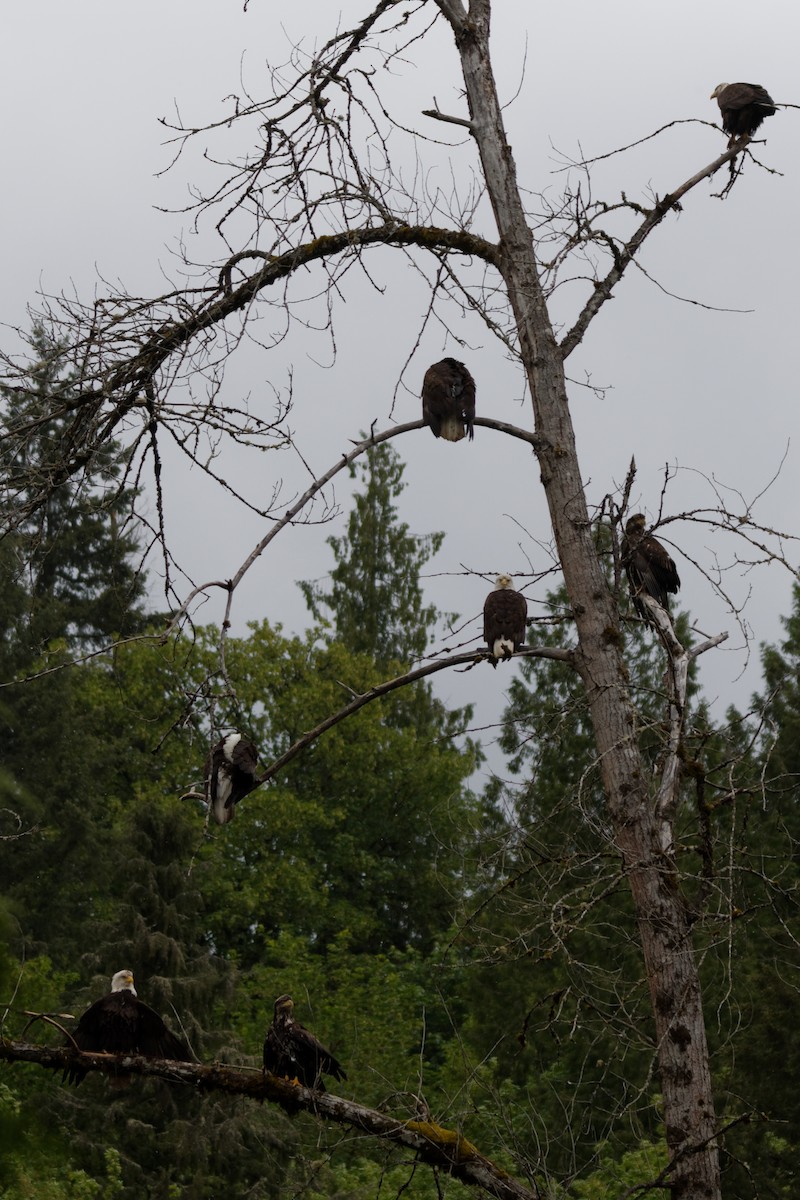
{"x":663,"y":921}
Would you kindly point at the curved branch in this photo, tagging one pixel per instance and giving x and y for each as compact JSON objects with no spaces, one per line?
{"x":472,"y":658}
{"x":604,"y":287}
{"x":125,"y":384}
{"x":537,"y":441}
{"x":439,"y":1147}
{"x":174,"y":336}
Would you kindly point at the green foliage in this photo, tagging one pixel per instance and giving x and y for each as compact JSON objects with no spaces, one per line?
{"x":367,"y":831}
{"x":334,"y":883}
{"x":375,"y":598}
{"x":556,"y":1000}
{"x":69,"y":563}
{"x":615,"y":1176}
{"x":763,"y":819}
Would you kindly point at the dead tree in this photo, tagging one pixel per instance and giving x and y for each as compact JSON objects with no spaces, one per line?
{"x":320,"y":206}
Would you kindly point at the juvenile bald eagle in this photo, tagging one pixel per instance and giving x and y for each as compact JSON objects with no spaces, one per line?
{"x":230,"y":774}
{"x":648,"y":565}
{"x":743,"y":106}
{"x":448,"y":400}
{"x":504,"y":617}
{"x":292,"y":1052}
{"x":121,"y":1023}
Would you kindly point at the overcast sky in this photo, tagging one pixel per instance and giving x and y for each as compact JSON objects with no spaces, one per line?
{"x":705,"y":386}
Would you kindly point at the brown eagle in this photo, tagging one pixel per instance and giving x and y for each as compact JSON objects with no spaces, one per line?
{"x":743,"y":106}
{"x":292,"y":1052}
{"x":448,"y":400}
{"x":504,"y":619}
{"x":230,"y":774}
{"x":648,"y":565}
{"x":121,"y":1023}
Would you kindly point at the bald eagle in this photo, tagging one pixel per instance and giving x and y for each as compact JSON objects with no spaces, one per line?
{"x":121,"y":1023}
{"x":743,"y":106}
{"x":292,"y":1052}
{"x":448,"y":400}
{"x":648,"y":565}
{"x":504,"y":618}
{"x":230,"y":774}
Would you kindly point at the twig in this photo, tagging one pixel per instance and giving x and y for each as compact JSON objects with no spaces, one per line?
{"x":537,"y":441}
{"x":382,"y":689}
{"x":433,"y":1144}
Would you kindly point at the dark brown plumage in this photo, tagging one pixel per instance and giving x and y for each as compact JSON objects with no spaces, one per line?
{"x":648,"y":565}
{"x":743,"y":106}
{"x":230,"y":774}
{"x":121,"y":1023}
{"x":505,"y":615}
{"x":448,"y":400}
{"x":292,"y":1052}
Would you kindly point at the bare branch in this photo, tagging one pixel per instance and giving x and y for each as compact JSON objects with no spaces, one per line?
{"x":119,"y":384}
{"x":433,"y":1144}
{"x":605,"y":287}
{"x":440,"y":116}
{"x":536,"y":441}
{"x":382,"y":689}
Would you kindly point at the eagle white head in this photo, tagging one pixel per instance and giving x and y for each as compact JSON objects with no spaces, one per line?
{"x":229,"y":744}
{"x":718,"y":90}
{"x":123,"y":981}
{"x":503,"y":581}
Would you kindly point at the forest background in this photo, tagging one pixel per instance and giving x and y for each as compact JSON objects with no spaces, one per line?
{"x":470,"y":952}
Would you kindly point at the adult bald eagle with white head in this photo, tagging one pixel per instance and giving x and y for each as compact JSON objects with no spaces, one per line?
{"x":743,"y":107}
{"x":505,"y":616}
{"x":230,"y":775}
{"x":121,"y":1023}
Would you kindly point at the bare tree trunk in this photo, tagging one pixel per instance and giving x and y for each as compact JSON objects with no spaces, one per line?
{"x":663,"y":920}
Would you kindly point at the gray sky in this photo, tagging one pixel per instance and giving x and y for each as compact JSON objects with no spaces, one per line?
{"x":710,"y":394}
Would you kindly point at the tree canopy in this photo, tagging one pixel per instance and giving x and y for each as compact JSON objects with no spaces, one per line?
{"x":559,"y":953}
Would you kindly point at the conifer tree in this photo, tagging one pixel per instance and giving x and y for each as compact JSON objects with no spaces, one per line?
{"x":71,"y":564}
{"x":375,"y":599}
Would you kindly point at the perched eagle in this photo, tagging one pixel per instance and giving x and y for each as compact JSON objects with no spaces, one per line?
{"x":649,"y":568}
{"x":230,"y":774}
{"x":121,"y":1023}
{"x":504,"y":618}
{"x":743,"y":106}
{"x":292,"y":1052}
{"x":448,"y":400}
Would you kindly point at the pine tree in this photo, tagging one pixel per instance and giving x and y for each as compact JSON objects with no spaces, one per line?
{"x":555,"y":999}
{"x":70,"y":564}
{"x":375,"y":598}
{"x":762,"y":807}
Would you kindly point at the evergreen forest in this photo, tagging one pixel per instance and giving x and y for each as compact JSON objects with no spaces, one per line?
{"x":471,"y":956}
{"x":550,"y":953}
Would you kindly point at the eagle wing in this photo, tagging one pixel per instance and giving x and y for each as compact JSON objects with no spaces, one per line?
{"x":293,"y":1052}
{"x":229,"y":781}
{"x":652,"y":570}
{"x":504,"y":616}
{"x":154,"y":1039}
{"x":448,"y":396}
{"x":741,"y":95}
{"x":120,"y":1023}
